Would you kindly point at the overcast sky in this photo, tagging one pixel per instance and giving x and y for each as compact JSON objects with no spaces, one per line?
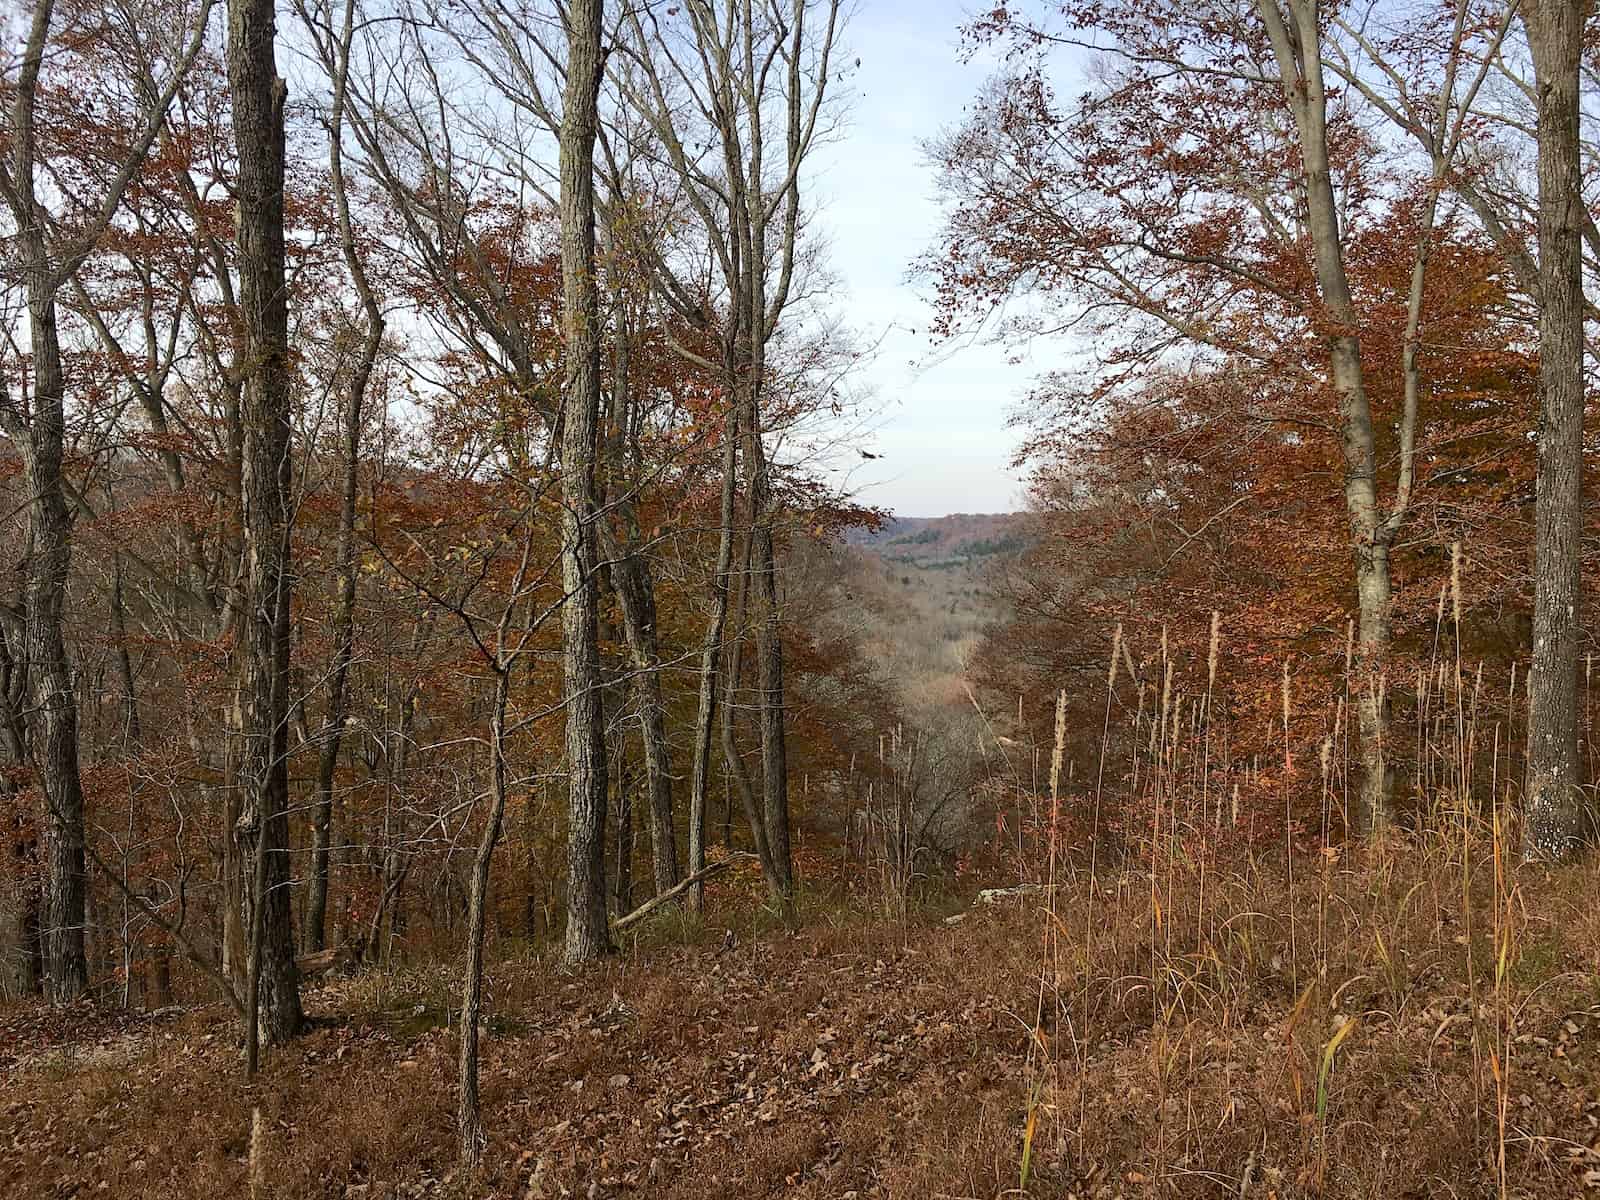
{"x":943,"y":430}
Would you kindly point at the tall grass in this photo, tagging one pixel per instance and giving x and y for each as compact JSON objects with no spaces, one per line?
{"x":1227,"y":922}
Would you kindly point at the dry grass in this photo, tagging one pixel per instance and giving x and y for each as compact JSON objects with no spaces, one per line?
{"x":899,"y":1061}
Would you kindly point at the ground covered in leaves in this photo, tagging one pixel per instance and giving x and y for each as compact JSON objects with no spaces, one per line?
{"x":860,"y":1058}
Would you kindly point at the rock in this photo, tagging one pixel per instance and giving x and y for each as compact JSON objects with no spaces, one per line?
{"x":996,"y":895}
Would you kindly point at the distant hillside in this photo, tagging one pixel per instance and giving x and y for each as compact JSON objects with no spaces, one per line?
{"x":925,"y":541}
{"x":925,"y":589}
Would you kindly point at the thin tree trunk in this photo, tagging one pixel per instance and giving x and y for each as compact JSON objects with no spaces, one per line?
{"x":343,"y":622}
{"x":622,"y":885}
{"x":761,"y":569}
{"x":469,"y":1122}
{"x":344,"y":612}
{"x":258,"y":97}
{"x":1557,"y":817}
{"x":710,"y":652}
{"x":119,"y":631}
{"x":587,"y":936}
{"x":635,"y":588}
{"x":737,"y":776}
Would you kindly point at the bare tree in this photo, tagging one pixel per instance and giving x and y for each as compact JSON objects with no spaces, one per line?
{"x":334,"y":47}
{"x":735,"y":95}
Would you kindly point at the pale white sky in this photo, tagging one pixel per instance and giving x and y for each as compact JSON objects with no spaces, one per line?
{"x":943,"y":429}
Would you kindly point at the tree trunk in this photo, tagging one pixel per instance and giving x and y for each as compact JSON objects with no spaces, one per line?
{"x":635,"y":589}
{"x":469,"y":1122}
{"x":588,"y":936}
{"x":262,"y":829}
{"x":1296,"y":44}
{"x":315,"y":918}
{"x":39,"y":436}
{"x":737,"y":778}
{"x":710,"y":653}
{"x":343,"y":648}
{"x":778,"y":863}
{"x":19,"y":906}
{"x":1557,"y":817}
{"x":622,"y":885}
{"x":344,"y":612}
{"x":119,"y":631}
{"x":54,"y":720}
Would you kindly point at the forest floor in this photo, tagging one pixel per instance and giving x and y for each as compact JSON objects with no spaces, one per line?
{"x":920,"y":1059}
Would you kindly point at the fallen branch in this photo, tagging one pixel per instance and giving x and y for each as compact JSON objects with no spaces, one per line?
{"x":673,"y":892}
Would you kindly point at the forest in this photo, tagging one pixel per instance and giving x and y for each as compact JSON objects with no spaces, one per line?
{"x":465,"y":729}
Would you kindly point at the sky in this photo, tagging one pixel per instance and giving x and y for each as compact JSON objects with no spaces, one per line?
{"x":942,"y":424}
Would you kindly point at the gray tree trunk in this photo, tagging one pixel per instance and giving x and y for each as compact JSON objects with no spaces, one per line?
{"x":469,"y":1122}
{"x":736,"y":775}
{"x":345,"y":552}
{"x":622,"y":883}
{"x":636,"y":590}
{"x":1296,"y":44}
{"x":710,"y":654}
{"x":588,"y":935}
{"x":261,"y":831}
{"x":39,"y":435}
{"x":778,"y":863}
{"x":54,"y":717}
{"x":1557,"y":817}
{"x":635,"y":587}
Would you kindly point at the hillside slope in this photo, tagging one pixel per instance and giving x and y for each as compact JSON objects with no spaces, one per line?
{"x":902,"y":1060}
{"x":925,"y":588}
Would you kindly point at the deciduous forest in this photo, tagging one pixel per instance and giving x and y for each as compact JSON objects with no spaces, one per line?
{"x":465,"y":731}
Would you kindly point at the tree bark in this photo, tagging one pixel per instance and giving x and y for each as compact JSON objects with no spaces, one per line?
{"x":1296,"y":45}
{"x":779,"y":863}
{"x":622,"y":884}
{"x":737,"y":777}
{"x":635,"y":588}
{"x":54,"y":719}
{"x":1557,"y":817}
{"x":469,"y":1122}
{"x":587,"y":934}
{"x":258,"y":97}
{"x":710,"y":653}
{"x":40,"y":438}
